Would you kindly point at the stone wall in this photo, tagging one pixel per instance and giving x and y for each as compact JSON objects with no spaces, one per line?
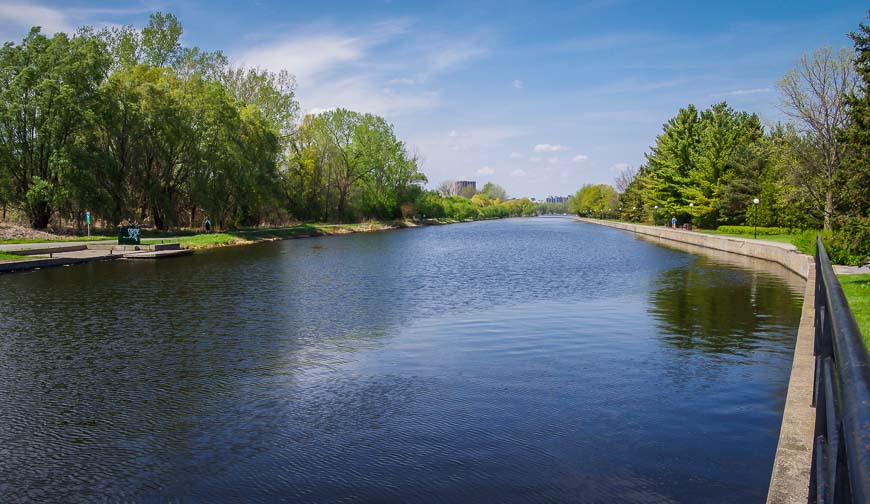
{"x":783,"y":253}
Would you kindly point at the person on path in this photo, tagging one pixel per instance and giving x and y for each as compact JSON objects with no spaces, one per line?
{"x":674,"y":222}
{"x":208,"y":224}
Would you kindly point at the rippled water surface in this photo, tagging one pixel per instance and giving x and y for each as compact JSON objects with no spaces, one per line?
{"x":518,"y":360}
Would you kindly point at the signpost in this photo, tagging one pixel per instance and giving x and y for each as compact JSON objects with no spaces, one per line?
{"x":88,"y":220}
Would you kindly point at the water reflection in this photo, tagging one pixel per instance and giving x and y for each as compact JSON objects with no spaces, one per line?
{"x":500,"y":361}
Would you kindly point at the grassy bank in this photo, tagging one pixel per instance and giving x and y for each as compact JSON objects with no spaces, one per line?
{"x":247,"y":236}
{"x":857,"y":290}
{"x":6,"y":256}
{"x":782,"y":238}
{"x":58,"y":238}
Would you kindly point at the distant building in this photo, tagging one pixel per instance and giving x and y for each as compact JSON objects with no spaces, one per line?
{"x":556,"y":199}
{"x":460,"y":185}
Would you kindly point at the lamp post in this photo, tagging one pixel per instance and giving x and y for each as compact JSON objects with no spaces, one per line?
{"x":654,"y":214}
{"x":691,"y":215}
{"x":755,"y":224}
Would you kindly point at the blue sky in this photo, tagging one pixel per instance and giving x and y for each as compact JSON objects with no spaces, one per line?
{"x":540,"y":97}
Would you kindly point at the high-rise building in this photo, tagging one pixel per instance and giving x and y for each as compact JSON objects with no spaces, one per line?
{"x":556,"y":199}
{"x":460,"y":186}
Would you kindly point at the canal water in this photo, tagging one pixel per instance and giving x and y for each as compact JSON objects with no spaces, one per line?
{"x":522,"y":360}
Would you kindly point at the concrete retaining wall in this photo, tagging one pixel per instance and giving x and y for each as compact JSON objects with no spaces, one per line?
{"x":783,"y":253}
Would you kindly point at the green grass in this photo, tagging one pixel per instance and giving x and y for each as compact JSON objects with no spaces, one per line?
{"x":242,"y":236}
{"x":857,"y":290}
{"x":6,"y":256}
{"x":16,"y":241}
{"x":782,"y":238}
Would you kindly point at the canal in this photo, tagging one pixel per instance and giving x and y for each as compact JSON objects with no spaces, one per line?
{"x":501,"y":361}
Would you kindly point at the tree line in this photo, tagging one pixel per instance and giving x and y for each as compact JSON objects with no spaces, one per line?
{"x":132,"y":126}
{"x":810,"y":172}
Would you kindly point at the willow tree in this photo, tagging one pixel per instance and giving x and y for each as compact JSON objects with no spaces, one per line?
{"x":48,"y":87}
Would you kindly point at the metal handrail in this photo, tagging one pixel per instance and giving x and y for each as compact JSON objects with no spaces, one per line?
{"x":841,"y":395}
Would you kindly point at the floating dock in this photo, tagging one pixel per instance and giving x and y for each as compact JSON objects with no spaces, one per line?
{"x":78,"y":254}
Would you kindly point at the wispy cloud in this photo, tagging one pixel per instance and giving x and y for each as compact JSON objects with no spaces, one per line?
{"x":22,"y":16}
{"x":517,"y":84}
{"x":741,"y":92}
{"x":550,"y":147}
{"x":16,"y":18}
{"x":579,"y":158}
{"x":486,"y":170}
{"x":515,"y":155}
{"x":357,"y":67}
{"x":475,"y":137}
{"x":306,"y":57}
{"x":519,"y":173}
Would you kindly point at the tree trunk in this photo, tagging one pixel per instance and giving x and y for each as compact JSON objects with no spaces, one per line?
{"x":40,"y":215}
{"x":829,"y":208}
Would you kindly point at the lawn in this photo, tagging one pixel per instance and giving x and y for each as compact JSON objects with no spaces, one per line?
{"x":6,"y":256}
{"x":16,"y":241}
{"x":200,"y":241}
{"x":783,"y":238}
{"x":857,"y":290}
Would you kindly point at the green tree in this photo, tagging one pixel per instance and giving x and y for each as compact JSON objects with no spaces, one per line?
{"x":494,"y":191}
{"x":813,"y":94}
{"x":48,"y":87}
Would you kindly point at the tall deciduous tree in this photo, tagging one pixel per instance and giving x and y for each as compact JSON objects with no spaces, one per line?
{"x":813,"y":94}
{"x":48,"y":88}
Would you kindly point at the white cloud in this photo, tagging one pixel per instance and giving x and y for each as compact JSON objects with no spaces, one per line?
{"x":553,"y":160}
{"x":517,"y":84}
{"x":740,"y":92}
{"x":470,"y":138}
{"x":535,"y":159}
{"x":579,"y":157}
{"x":448,"y":52}
{"x":23,"y":15}
{"x":518,"y":173}
{"x":362,"y":93}
{"x":357,"y":68}
{"x":486,"y":170}
{"x":550,"y":148}
{"x":305,"y":57}
{"x":515,"y":155}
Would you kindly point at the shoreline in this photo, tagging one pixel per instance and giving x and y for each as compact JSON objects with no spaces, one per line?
{"x":61,"y":252}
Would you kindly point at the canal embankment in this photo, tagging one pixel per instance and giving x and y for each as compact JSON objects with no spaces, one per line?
{"x":789,"y":482}
{"x":61,"y":253}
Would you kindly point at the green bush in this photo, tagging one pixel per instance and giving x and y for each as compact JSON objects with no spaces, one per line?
{"x":852,"y":240}
{"x":805,"y":241}
{"x":849,"y":245}
{"x":748,"y":230}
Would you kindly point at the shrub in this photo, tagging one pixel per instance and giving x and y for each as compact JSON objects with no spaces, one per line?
{"x":748,"y":230}
{"x":849,"y":245}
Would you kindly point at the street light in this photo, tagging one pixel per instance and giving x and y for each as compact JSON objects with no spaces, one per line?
{"x":654,"y":214}
{"x":691,"y":215}
{"x":755,"y":224}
